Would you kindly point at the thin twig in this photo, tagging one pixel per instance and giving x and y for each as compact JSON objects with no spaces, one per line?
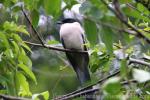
{"x":40,"y":39}
{"x":54,"y":48}
{"x":132,"y":60}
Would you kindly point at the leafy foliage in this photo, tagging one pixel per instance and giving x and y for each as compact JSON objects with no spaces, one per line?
{"x":113,"y":46}
{"x":15,"y":64}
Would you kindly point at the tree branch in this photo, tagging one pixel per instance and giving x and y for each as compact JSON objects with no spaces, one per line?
{"x":128,"y":82}
{"x":87,"y":87}
{"x":6,"y":97}
{"x":35,"y":32}
{"x":54,"y":48}
{"x":89,"y":91}
{"x":132,"y":60}
{"x":116,"y":10}
{"x":82,"y":93}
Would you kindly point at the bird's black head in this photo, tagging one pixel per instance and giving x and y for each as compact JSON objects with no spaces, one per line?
{"x":67,"y":20}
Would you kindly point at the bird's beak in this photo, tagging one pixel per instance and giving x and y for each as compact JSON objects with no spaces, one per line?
{"x":59,"y":22}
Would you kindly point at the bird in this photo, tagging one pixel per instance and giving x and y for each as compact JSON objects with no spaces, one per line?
{"x":72,"y":36}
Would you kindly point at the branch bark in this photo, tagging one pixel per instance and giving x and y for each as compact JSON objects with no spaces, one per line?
{"x":87,"y":87}
{"x":132,"y":60}
{"x":88,"y":91}
{"x":7,"y":97}
{"x":36,"y":33}
{"x":54,"y":48}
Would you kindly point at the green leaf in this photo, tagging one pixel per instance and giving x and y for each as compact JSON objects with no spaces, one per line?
{"x":8,"y":3}
{"x":23,"y":85}
{"x":94,"y":67}
{"x":98,"y":61}
{"x":90,"y":30}
{"x":16,"y":47}
{"x":35,"y":17}
{"x":11,"y":26}
{"x":9,"y":53}
{"x":27,"y":71}
{"x":107,"y":38}
{"x":123,"y":67}
{"x":26,"y":46}
{"x":22,"y":29}
{"x":16,"y":38}
{"x":140,"y":7}
{"x":135,"y":97}
{"x":3,"y":41}
{"x":95,"y":13}
{"x":52,"y":7}
{"x":2,"y":1}
{"x":125,"y":1}
{"x":24,"y":59}
{"x":147,"y":29}
{"x":3,"y":79}
{"x":95,"y":2}
{"x":3,"y":91}
{"x":112,"y":97}
{"x":112,"y":86}
{"x":32,"y":4}
{"x":10,"y":83}
{"x":53,"y":42}
{"x":43,"y":96}
{"x":126,"y":39}
{"x":14,"y":1}
{"x":94,"y":61}
{"x":70,"y":3}
{"x":101,"y":63}
{"x":16,"y":8}
{"x":22,"y":52}
{"x":135,"y":14}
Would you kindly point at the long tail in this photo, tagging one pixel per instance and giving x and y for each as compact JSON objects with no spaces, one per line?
{"x":80,"y":64}
{"x":84,"y":77}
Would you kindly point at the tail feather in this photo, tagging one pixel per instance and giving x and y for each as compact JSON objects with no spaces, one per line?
{"x":80,"y":63}
{"x":84,"y":77}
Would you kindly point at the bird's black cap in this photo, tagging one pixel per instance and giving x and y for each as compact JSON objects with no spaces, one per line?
{"x":67,"y":20}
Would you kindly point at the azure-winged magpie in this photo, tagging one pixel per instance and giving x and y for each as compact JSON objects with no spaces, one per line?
{"x":73,"y":38}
